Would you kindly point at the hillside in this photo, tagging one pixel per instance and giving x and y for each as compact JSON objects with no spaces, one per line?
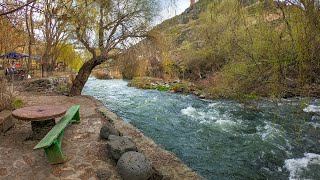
{"x":230,"y":49}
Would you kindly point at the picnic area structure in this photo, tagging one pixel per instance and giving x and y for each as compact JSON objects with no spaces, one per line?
{"x":85,"y":153}
{"x":51,"y":143}
{"x":15,"y":64}
{"x":41,"y":117}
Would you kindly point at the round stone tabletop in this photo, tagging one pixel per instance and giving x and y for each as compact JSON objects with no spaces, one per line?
{"x":39,"y":113}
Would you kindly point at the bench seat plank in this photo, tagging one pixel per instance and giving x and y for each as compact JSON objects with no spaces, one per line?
{"x":58,"y":128}
{"x":51,"y":143}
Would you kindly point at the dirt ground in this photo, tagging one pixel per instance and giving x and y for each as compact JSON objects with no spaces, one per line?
{"x":85,"y":152}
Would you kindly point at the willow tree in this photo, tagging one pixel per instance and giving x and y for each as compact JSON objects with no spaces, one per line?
{"x":54,"y":29}
{"x":105,"y":28}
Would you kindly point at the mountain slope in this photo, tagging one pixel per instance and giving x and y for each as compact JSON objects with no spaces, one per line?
{"x":232,"y":49}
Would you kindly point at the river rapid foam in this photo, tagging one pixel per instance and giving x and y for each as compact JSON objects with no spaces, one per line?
{"x":298,"y":166}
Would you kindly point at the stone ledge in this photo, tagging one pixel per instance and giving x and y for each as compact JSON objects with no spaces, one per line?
{"x":6,"y":121}
{"x":165,"y":162}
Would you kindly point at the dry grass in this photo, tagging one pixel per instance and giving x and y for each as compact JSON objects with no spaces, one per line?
{"x":101,"y":74}
{"x":8,"y":93}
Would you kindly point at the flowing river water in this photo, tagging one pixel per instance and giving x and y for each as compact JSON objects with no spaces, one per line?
{"x":223,"y":139}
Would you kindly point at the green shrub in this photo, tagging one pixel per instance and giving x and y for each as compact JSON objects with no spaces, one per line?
{"x":182,"y":87}
{"x":162,"y":88}
{"x":251,"y":96}
{"x":17,"y":103}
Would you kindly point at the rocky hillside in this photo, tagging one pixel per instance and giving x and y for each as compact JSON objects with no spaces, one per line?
{"x":235,"y":49}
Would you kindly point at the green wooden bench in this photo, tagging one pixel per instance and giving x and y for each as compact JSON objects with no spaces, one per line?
{"x":51,"y":143}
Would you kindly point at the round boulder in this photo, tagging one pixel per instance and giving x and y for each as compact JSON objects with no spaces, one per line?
{"x":106,"y":131}
{"x":134,"y":166}
{"x":118,"y":145}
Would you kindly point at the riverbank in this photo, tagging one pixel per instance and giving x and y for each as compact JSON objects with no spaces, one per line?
{"x":86,"y":152}
{"x":176,"y":86}
{"x":206,"y":90}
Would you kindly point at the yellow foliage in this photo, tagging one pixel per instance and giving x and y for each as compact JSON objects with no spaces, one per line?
{"x":167,"y":64}
{"x":68,"y":55}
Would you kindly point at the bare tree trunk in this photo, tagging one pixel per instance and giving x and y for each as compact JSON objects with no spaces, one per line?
{"x":44,"y":64}
{"x":46,"y":58}
{"x":83,"y":75}
{"x":31,"y":37}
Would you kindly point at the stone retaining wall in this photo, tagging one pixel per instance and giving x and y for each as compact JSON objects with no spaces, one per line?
{"x":47,"y":85}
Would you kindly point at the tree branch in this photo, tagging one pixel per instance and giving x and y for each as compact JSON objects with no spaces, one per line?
{"x":84,"y":42}
{"x":101,"y":32}
{"x":17,"y":9}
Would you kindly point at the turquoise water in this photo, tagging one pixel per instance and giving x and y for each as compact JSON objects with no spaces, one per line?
{"x":223,"y":139}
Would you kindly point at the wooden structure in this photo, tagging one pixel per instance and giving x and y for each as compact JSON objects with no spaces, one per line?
{"x":39,"y":113}
{"x":41,"y":117}
{"x":51,"y":143}
{"x":20,"y":62}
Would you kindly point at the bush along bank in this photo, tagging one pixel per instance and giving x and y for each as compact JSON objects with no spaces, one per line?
{"x":199,"y":89}
{"x":176,"y":86}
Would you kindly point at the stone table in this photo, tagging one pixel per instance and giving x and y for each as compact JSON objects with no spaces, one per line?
{"x":41,"y":117}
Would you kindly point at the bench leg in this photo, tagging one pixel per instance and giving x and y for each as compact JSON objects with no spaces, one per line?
{"x":54,"y":152}
{"x":41,"y":128}
{"x":76,"y":118}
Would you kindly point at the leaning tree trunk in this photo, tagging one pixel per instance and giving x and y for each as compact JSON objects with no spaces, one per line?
{"x":83,"y":75}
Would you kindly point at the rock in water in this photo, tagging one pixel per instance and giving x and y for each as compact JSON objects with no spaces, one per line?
{"x":134,"y":166}
{"x":118,"y":145}
{"x":106,"y":131}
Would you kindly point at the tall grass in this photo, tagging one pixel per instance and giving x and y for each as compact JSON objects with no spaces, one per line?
{"x":8,"y":93}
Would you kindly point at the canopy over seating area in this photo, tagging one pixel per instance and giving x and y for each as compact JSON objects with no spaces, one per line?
{"x":15,"y":64}
{"x":15,"y":55}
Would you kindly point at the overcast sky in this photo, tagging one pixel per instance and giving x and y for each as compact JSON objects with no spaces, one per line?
{"x":169,"y":10}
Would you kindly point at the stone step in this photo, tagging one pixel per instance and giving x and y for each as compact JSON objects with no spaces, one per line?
{"x":6,"y":121}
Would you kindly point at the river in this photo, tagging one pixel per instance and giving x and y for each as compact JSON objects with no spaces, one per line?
{"x":222,"y":139}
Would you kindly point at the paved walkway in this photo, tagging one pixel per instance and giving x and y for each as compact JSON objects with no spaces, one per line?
{"x":81,"y":145}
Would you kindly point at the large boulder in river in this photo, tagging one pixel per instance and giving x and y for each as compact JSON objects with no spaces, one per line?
{"x":118,"y":145}
{"x":108,"y":130}
{"x":134,"y":166}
